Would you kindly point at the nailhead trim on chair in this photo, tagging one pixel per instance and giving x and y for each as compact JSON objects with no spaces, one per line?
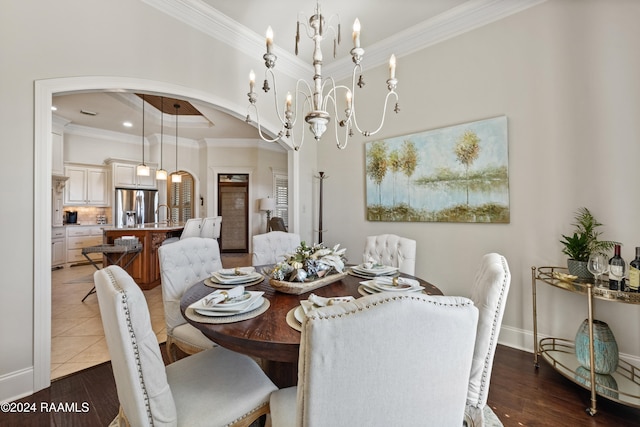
{"x":314,"y":314}
{"x":134,"y":343}
{"x":489,"y":358}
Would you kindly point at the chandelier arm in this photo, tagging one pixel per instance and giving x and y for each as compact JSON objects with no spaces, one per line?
{"x":302,"y":20}
{"x":280,"y":116}
{"x":384,"y":113}
{"x":332,"y":96}
{"x":259,"y":127}
{"x":307,"y":97}
{"x":306,"y":106}
{"x":347,"y":123}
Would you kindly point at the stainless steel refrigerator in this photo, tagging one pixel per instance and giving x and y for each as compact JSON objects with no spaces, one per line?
{"x":134,"y":207}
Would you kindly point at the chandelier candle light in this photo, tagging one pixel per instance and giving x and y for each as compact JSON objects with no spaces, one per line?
{"x":313,"y":100}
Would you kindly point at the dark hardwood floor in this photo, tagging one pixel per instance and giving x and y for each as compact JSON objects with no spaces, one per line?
{"x":520,"y":395}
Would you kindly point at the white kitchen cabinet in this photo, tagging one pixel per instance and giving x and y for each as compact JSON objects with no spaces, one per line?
{"x":58,"y":247}
{"x":79,"y":237}
{"x":124,"y":176}
{"x":87,"y":186}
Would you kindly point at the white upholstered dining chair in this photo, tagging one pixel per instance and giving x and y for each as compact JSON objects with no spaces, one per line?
{"x":404,"y":357}
{"x":211,"y":227}
{"x":182,"y":265}
{"x":489,"y":294}
{"x":270,"y":247}
{"x":191,"y":229}
{"x":396,"y":251}
{"x":216,"y":387}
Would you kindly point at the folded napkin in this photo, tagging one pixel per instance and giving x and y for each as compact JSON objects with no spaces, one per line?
{"x":370,"y":262}
{"x":399,"y":281}
{"x":238,"y":271}
{"x":221,"y":295}
{"x":322,"y":301}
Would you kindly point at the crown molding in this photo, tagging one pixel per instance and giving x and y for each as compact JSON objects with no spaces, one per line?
{"x":73,"y":129}
{"x":242,"y":143}
{"x":461,"y":19}
{"x":210,"y":21}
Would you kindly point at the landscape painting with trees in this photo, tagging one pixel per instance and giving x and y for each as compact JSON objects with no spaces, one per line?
{"x":454,"y":174}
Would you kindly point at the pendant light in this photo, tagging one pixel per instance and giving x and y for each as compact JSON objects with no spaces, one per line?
{"x":142,"y":169}
{"x":161,"y":174}
{"x":176,"y":177}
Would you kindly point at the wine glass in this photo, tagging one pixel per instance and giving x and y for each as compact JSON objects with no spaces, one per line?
{"x":597,"y":265}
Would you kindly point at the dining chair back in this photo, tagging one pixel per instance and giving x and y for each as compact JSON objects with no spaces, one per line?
{"x":214,"y":387}
{"x":211,"y":227}
{"x":277,"y":224}
{"x":407,"y":356}
{"x":182,"y":265}
{"x":191,"y":228}
{"x":489,"y":294}
{"x":270,"y":248}
{"x":392,"y":250}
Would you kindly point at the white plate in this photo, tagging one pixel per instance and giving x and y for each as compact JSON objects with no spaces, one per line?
{"x":256,"y":303}
{"x":369,"y":287}
{"x":298,"y":313}
{"x":230,"y":306}
{"x":235,"y":280}
{"x":213,"y":282}
{"x":375,"y":271}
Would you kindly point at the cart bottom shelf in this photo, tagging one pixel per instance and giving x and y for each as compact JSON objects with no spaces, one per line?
{"x":623,"y":386}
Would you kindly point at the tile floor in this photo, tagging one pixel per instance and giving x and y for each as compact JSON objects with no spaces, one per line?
{"x":77,"y":337}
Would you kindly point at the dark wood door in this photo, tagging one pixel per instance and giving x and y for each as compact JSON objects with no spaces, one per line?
{"x":233,"y":207}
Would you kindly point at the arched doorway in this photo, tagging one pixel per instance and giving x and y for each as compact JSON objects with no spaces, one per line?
{"x":44,"y":91}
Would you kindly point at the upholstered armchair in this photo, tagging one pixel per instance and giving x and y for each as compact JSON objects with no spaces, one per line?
{"x":270,"y":247}
{"x":213,"y":388}
{"x":396,"y":251}
{"x":489,"y":294}
{"x":405,"y":358}
{"x":182,"y":265}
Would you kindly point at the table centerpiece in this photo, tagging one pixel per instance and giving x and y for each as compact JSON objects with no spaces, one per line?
{"x":308,"y":268}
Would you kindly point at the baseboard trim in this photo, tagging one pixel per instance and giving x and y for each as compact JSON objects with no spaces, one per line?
{"x":521,"y":339}
{"x":16,"y":385}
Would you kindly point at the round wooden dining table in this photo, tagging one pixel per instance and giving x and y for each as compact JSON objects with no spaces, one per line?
{"x":268,"y":336}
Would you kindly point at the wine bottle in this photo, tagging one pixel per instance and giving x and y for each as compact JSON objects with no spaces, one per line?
{"x":616,"y":270}
{"x":634,"y":273}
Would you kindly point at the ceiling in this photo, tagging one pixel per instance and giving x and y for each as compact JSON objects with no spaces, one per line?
{"x":381,"y":23}
{"x":379,"y":19}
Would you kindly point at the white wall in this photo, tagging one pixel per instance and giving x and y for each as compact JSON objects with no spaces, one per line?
{"x":565,"y":74}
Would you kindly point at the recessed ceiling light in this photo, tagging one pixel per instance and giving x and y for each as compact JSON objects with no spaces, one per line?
{"x":127,"y":124}
{"x":54,"y":108}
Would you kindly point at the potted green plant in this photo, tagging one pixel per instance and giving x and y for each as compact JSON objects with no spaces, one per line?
{"x":584,"y":241}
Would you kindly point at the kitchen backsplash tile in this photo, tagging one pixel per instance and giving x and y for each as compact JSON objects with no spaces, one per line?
{"x":89,"y":214}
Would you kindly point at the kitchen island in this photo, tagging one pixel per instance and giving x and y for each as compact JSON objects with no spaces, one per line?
{"x":145,"y":269}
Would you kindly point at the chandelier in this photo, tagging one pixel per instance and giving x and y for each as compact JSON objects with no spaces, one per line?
{"x":318,"y":102}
